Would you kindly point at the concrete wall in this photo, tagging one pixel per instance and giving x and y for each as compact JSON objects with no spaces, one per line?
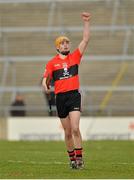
{"x":49,"y":128}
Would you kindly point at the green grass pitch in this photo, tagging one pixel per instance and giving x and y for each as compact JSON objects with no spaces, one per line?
{"x":48,"y":160}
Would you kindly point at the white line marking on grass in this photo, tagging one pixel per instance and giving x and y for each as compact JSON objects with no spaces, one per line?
{"x":59,"y":163}
{"x":34,"y":162}
{"x":124,"y":163}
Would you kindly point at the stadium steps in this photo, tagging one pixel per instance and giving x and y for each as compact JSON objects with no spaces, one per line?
{"x":125,"y":13}
{"x":95,"y":73}
{"x":24,"y":14}
{"x":1,"y":71}
{"x":27,"y":74}
{"x":36,"y":14}
{"x":119,"y":104}
{"x":38,"y":44}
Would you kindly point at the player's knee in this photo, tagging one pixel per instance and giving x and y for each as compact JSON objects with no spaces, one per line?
{"x":76,"y":131}
{"x":68,"y":134}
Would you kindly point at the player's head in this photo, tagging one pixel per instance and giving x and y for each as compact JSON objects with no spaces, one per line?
{"x":62,"y":44}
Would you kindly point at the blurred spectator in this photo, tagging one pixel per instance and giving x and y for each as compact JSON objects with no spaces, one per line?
{"x":18,"y":106}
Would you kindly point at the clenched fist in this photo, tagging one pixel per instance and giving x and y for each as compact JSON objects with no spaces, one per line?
{"x":86,"y":16}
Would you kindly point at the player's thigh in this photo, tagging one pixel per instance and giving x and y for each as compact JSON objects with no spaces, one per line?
{"x":74,"y":119}
{"x":66,"y":124}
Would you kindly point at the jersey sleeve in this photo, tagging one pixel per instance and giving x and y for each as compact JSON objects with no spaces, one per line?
{"x":77,"y":56}
{"x":48,"y":71}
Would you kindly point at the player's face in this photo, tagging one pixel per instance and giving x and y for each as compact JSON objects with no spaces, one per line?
{"x":64,"y":46}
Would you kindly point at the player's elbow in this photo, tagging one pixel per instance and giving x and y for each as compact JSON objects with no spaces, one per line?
{"x":86,"y":39}
{"x":44,"y":82}
{"x":85,"y":42}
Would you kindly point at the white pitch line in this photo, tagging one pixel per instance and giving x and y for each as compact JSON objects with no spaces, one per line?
{"x":123,"y":163}
{"x":59,"y":163}
{"x":34,"y":162}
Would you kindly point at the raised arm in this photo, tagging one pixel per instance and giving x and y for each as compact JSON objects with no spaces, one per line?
{"x":86,"y":32}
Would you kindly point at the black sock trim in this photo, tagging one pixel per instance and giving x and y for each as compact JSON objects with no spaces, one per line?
{"x":70,"y":151}
{"x":78,"y":155}
{"x":78,"y":148}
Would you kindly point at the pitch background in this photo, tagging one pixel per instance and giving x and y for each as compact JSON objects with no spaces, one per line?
{"x":48,"y":160}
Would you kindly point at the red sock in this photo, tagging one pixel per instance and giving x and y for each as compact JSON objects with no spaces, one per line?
{"x":71,"y":155}
{"x":78,"y":152}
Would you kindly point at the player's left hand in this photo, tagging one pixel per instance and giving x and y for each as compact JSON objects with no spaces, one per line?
{"x":86,"y":16}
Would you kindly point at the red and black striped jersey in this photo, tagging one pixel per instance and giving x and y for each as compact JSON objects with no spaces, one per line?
{"x":64,"y":72}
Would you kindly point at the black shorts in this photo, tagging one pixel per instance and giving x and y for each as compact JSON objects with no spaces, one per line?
{"x":67,"y":102}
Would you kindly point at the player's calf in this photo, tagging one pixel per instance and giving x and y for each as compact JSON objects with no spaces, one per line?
{"x":72,"y":158}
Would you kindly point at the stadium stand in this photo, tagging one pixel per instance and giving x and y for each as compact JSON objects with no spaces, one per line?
{"x":27,"y":33}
